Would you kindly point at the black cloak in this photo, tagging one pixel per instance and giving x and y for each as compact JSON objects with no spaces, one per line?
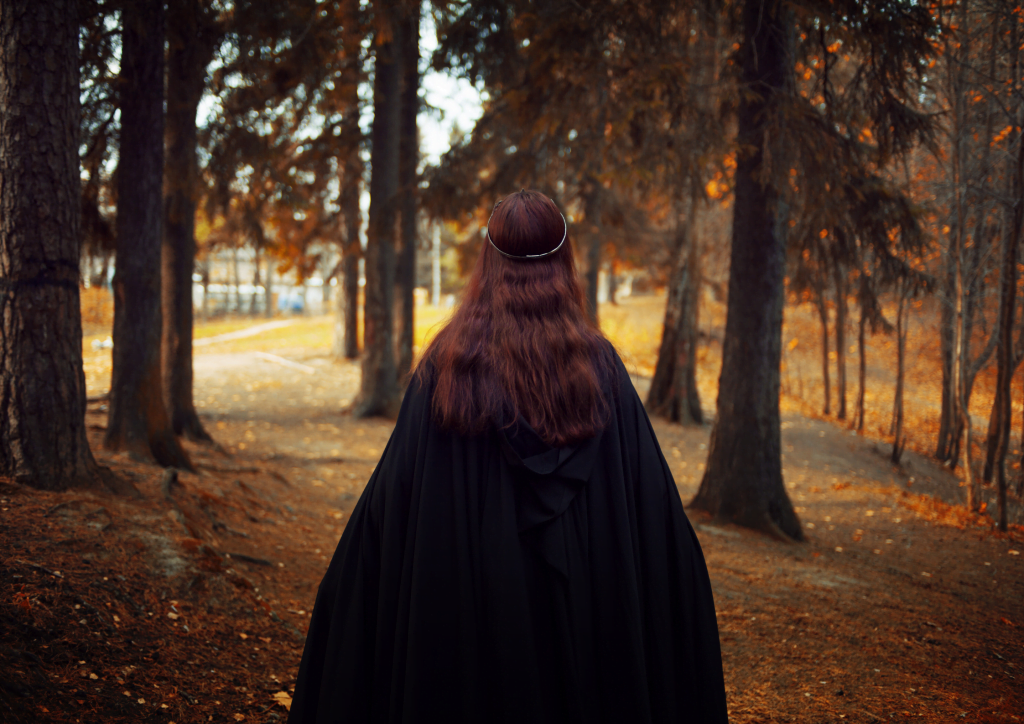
{"x":496,"y":579}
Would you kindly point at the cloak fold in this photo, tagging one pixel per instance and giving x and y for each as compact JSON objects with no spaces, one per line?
{"x":497,"y":579}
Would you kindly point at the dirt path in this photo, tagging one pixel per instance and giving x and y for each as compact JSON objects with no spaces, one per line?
{"x":896,"y":607}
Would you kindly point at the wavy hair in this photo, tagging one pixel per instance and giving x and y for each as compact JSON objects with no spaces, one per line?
{"x":521,"y":342}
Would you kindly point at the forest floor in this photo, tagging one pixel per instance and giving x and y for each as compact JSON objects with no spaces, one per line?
{"x":189,"y":604}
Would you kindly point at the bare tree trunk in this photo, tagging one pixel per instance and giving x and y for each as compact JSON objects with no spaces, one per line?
{"x":190,"y":48}
{"x":944,"y":442}
{"x":823,"y":317}
{"x":235,"y":280}
{"x":673,"y":393}
{"x":255,"y":282}
{"x":861,"y":368}
{"x":268,"y":289}
{"x":1015,"y":216}
{"x":898,"y":441}
{"x":379,"y":394}
{"x":350,"y":260}
{"x":743,"y":481}
{"x":138,"y":421}
{"x":408,"y":157}
{"x":205,"y":274}
{"x":592,"y":234}
{"x":840,"y":282}
{"x":43,"y":440}
{"x":346,"y":344}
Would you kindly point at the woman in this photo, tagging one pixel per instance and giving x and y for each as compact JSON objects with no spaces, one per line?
{"x":520,"y":554}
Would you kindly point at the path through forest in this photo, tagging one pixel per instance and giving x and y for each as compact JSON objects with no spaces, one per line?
{"x":189,"y":605}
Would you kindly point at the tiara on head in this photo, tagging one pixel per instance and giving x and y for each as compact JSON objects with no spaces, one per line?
{"x":526,"y":256}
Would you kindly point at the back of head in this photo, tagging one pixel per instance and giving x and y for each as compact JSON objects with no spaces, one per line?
{"x":521,"y":342}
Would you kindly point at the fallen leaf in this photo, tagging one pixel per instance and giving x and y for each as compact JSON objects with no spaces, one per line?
{"x":284,"y":699}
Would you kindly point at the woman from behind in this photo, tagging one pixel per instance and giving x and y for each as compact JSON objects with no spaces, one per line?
{"x":521,"y":553}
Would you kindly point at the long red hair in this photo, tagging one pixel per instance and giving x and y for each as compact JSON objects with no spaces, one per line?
{"x":521,"y":342}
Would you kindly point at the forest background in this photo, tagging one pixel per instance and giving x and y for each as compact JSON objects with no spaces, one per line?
{"x":796,"y":189}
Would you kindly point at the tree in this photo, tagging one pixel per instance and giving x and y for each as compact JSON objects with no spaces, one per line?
{"x":191,"y":38}
{"x":346,"y":337}
{"x":138,"y":421}
{"x":965,"y":201}
{"x":1008,"y":352}
{"x":743,"y":479}
{"x":408,"y":158}
{"x":791,"y":140}
{"x":379,"y":393}
{"x":673,"y":393}
{"x":43,"y":440}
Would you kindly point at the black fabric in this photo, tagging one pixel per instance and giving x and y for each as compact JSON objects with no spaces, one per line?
{"x":496,"y":579}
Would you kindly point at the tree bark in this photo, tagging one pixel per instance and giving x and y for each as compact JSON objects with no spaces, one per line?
{"x":1001,"y":409}
{"x":861,"y":366}
{"x":138,"y":420}
{"x":898,"y":441}
{"x":743,"y":481}
{"x":346,"y":344}
{"x":1015,"y":216}
{"x":256,"y":281}
{"x":673,"y":393}
{"x":408,"y":159}
{"x":943,"y":444}
{"x":840,"y":284}
{"x":190,"y":44}
{"x":346,"y":341}
{"x":236,"y":282}
{"x":268,"y":289}
{"x":823,"y":317}
{"x":592,"y":213}
{"x":43,"y":440}
{"x":379,"y":394}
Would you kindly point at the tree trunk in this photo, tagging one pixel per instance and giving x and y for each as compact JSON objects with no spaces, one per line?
{"x":823,"y":317}
{"x":346,"y":344}
{"x":138,"y":420}
{"x":1015,"y":217}
{"x":43,"y":440}
{"x":1001,"y":409}
{"x":592,"y":235}
{"x":349,"y":343}
{"x":673,"y":393}
{"x":408,"y":158}
{"x":379,"y":394}
{"x":189,"y":50}
{"x":256,"y":282}
{"x":743,"y":481}
{"x":947,"y":414}
{"x":898,"y":441}
{"x":235,"y":280}
{"x":205,"y":274}
{"x":840,"y":283}
{"x":268,"y":289}
{"x":861,"y":367}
